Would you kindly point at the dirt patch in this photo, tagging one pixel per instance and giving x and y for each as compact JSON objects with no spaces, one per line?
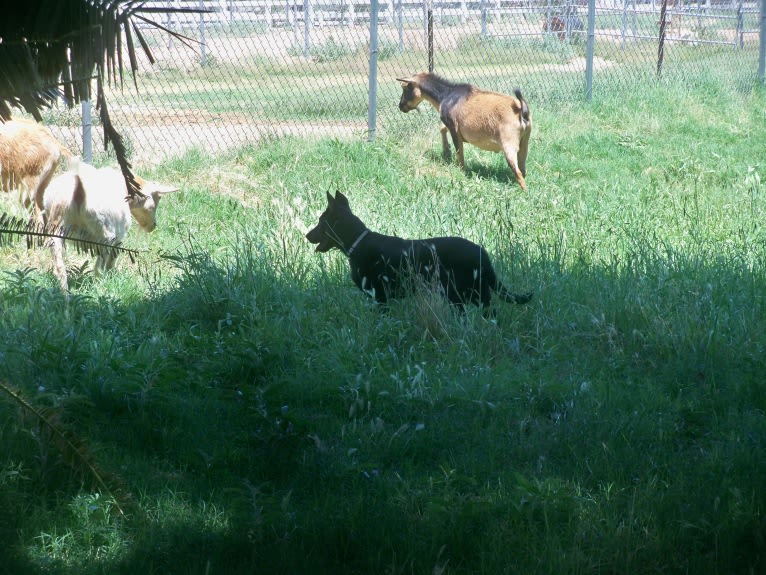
{"x":153,"y":139}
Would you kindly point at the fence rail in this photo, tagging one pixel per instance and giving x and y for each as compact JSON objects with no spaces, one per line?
{"x":349,"y":12}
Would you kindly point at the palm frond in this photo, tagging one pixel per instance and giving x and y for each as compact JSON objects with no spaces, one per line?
{"x":73,"y":448}
{"x":12,"y":228}
{"x":53,"y":49}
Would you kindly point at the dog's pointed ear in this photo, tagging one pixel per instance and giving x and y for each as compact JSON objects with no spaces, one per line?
{"x":330,"y":199}
{"x":339,"y":197}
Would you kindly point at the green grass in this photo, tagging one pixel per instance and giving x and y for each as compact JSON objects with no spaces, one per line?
{"x":252,"y":412}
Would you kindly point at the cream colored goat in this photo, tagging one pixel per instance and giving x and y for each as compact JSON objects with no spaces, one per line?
{"x":29,"y":156}
{"x":93,"y":204}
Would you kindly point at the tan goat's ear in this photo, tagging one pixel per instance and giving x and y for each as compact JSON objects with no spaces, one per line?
{"x":403,"y":81}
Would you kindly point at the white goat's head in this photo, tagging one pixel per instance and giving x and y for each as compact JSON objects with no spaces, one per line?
{"x":144,"y":207}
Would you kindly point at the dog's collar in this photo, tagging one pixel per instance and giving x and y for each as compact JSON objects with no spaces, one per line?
{"x":356,"y":242}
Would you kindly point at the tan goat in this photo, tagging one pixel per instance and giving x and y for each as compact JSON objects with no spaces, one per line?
{"x":488,"y":120}
{"x":29,"y":156}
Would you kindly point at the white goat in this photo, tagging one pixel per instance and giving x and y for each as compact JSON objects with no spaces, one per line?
{"x":29,"y":156}
{"x":93,"y":204}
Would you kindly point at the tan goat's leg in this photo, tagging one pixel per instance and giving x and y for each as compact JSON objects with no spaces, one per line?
{"x":39,"y":189}
{"x":523,"y":150}
{"x":511,"y":156}
{"x":459,"y":153}
{"x":36,"y":216}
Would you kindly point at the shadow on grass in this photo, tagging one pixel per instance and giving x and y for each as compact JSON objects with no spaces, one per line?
{"x":493,"y":169}
{"x":265,"y":424}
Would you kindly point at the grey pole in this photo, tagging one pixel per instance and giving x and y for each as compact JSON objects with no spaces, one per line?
{"x":308,"y":16}
{"x":589,"y":49}
{"x":373,"y":75}
{"x":203,"y":47}
{"x":87,"y":136}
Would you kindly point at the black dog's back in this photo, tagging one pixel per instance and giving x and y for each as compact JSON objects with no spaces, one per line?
{"x":386,"y":266}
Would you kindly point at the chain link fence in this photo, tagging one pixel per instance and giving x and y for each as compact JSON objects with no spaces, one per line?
{"x":262,"y":68}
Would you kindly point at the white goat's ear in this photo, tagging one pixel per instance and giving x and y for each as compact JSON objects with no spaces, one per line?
{"x":155,"y":188}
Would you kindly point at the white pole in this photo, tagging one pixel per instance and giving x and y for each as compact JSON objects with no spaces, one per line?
{"x":589,"y":49}
{"x":87,"y":135}
{"x":373,"y":76}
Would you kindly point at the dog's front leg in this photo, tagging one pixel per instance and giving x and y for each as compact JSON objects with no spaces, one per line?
{"x":365,"y":280}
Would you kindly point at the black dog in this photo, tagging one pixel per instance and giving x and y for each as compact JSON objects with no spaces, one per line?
{"x":383,"y":266}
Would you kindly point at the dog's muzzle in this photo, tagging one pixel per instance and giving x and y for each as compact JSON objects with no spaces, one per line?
{"x":316,"y":236}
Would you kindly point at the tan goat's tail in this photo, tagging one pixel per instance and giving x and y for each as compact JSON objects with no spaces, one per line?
{"x":66,"y":153}
{"x":524,"y":107}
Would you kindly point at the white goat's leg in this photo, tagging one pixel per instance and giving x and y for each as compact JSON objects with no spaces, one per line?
{"x":59,"y":267}
{"x":106,"y":257}
{"x":105,"y":262}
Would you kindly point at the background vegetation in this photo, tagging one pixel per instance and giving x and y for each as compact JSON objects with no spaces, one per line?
{"x":247,"y":410}
{"x":240,"y":81}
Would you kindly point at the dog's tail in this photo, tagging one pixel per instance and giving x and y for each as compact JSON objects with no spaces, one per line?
{"x":510,"y":297}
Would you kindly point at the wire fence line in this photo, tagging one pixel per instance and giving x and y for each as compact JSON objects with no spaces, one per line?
{"x":262,"y":68}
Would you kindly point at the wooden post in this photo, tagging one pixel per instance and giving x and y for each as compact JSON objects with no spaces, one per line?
{"x":661,"y":46}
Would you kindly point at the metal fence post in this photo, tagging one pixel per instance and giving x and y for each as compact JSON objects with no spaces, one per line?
{"x":739,"y":36}
{"x":292,"y":17}
{"x":589,"y":49}
{"x":87,"y":135}
{"x":307,"y":17}
{"x":169,"y":25}
{"x":430,"y":33}
{"x":203,"y":51}
{"x":624,"y":23}
{"x":372,"y":104}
